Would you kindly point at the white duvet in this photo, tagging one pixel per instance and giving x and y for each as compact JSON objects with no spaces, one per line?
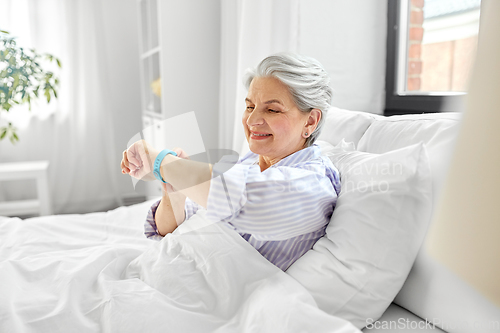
{"x":98,"y":273}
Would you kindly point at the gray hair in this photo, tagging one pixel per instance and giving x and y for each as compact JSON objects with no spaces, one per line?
{"x":306,"y":79}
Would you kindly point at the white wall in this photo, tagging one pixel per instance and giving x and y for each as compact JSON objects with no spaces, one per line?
{"x":349,"y":39}
{"x":122,"y":58}
{"x":190,"y":40}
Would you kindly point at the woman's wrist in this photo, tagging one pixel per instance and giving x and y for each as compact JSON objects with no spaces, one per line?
{"x":167,"y":159}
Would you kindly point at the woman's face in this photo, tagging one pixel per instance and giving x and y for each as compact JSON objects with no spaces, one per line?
{"x":274,"y":126}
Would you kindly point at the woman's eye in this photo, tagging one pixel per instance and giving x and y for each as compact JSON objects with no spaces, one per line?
{"x":250,"y":108}
{"x":274,"y":111}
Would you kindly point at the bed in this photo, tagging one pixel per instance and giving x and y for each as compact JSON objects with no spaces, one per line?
{"x":99,"y":273}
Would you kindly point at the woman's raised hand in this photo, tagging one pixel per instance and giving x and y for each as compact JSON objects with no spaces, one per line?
{"x":138,"y":160}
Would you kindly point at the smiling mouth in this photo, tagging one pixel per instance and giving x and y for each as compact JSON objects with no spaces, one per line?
{"x":261,"y":134}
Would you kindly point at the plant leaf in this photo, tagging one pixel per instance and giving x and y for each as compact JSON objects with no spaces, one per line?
{"x":23,"y":74}
{"x":6,"y":106}
{"x":47,"y":94}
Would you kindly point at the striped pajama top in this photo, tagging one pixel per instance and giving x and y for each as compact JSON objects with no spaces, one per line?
{"x":281,"y":211}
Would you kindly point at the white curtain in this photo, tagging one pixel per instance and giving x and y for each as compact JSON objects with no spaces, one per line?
{"x":250,"y":31}
{"x":76,"y":132}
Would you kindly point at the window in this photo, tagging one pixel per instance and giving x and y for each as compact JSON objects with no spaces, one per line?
{"x":431,"y":45}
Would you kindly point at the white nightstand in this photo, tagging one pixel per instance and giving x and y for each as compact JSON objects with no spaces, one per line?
{"x":27,"y":170}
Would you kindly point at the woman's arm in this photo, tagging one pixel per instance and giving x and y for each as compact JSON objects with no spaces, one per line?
{"x":151,"y":229}
{"x":170,"y":211}
{"x":191,"y":178}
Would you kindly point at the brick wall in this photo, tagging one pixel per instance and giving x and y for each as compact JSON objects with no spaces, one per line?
{"x":415,"y":35}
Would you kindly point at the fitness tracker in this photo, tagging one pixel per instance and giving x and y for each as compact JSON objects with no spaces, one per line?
{"x":157,"y":164}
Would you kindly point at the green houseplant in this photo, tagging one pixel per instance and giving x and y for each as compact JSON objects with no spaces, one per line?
{"x":23,"y":79}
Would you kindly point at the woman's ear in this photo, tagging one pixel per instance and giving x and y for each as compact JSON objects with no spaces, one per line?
{"x":313,"y":120}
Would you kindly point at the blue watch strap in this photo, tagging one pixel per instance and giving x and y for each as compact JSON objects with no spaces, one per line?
{"x":157,"y":163}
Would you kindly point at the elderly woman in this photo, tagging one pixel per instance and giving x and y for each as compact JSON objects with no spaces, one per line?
{"x":279,"y":196}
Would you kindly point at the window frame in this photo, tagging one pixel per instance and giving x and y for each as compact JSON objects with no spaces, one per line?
{"x":410,"y":103}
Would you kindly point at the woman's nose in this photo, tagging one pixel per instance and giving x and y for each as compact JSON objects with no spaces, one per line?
{"x":255,"y":118}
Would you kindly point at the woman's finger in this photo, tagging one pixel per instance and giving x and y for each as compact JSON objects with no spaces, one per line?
{"x":127,"y":163}
{"x":133,"y":173}
{"x":133,"y":158}
{"x":124,"y":159}
{"x":124,"y":168}
{"x":124,"y":163}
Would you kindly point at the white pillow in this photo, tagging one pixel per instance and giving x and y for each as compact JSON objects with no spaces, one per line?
{"x":351,"y":125}
{"x":437,"y":131}
{"x":327,"y":149}
{"x":375,"y":232}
